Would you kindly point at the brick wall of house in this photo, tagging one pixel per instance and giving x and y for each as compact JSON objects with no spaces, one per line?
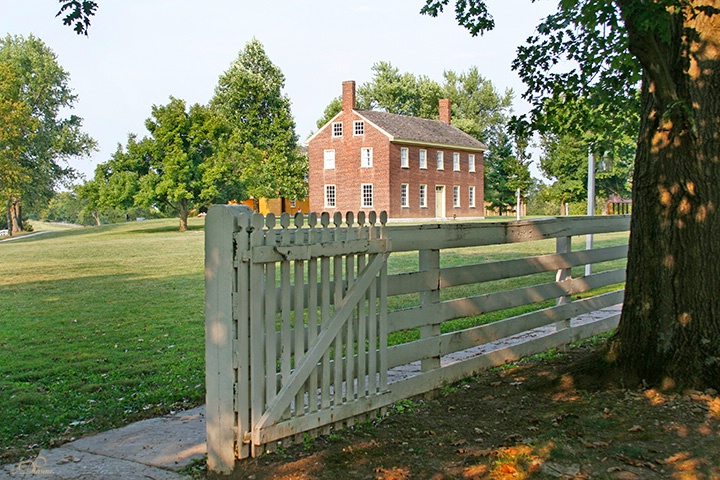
{"x":414,"y":176}
{"x":386,"y":175}
{"x":348,"y":175}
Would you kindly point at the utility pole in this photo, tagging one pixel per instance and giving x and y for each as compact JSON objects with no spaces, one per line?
{"x":590,"y":203}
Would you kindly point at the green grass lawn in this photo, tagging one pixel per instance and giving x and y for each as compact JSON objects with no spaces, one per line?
{"x":99,"y":327}
{"x":103,"y":326}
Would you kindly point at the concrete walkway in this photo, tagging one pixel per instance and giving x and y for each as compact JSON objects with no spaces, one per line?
{"x":159,"y":448}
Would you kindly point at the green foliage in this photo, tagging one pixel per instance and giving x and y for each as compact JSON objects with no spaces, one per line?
{"x":478,"y":108}
{"x":402,"y":94}
{"x":77,"y":14}
{"x":96,"y":335}
{"x":260,"y":145}
{"x":36,"y":137}
{"x":505,"y":172}
{"x":167,"y":170}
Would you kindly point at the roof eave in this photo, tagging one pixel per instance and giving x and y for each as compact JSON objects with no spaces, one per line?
{"x":408,"y":141}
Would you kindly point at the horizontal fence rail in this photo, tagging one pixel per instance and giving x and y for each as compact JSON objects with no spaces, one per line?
{"x":308,"y":328}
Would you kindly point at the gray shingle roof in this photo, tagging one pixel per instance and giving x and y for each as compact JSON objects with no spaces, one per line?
{"x":402,"y":127}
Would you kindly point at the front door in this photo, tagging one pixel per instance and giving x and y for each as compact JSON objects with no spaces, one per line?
{"x":440,"y":201}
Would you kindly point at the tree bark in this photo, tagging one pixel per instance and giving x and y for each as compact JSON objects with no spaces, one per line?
{"x":15,"y":225}
{"x":183,"y":213}
{"x":669,"y":332}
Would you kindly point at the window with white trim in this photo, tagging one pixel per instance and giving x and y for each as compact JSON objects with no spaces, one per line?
{"x":329,"y":156}
{"x":337,"y":129}
{"x":366,"y":157}
{"x":440,"y":161}
{"x":404,"y":157}
{"x":471,"y":162}
{"x":330,"y":196}
{"x":358,"y":127}
{"x":471,"y":196}
{"x":423,"y":195}
{"x":456,"y":196}
{"x":456,"y":161}
{"x":404,"y":189}
{"x":423,"y":159}
{"x":293,"y":204}
{"x":367,"y":195}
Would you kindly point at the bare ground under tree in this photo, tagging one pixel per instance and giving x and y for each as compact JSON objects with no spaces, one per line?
{"x":540,"y":418}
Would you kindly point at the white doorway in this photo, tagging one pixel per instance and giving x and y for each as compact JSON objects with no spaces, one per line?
{"x":440,"y":201}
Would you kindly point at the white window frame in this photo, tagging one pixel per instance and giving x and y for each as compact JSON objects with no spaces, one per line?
{"x":366,"y":157}
{"x":404,"y":157}
{"x":329,"y":158}
{"x":471,"y":163}
{"x":456,"y":196}
{"x":366,"y":193}
{"x":404,"y":195}
{"x":456,"y":162}
{"x":423,"y":195}
{"x":328,"y":196}
{"x":358,"y":128}
{"x":337,"y":129}
{"x":440,"y":160}
{"x":423,"y":159}
{"x":471,"y":196}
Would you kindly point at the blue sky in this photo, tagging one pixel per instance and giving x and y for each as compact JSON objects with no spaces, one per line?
{"x":140,"y":52}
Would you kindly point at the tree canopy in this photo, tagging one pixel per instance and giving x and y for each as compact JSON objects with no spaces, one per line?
{"x":37,"y":136}
{"x":599,"y":52}
{"x":242,"y":144}
{"x":260,"y":145}
{"x":478,"y":108}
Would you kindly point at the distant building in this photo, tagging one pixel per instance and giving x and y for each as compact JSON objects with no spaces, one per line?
{"x":410,"y":167}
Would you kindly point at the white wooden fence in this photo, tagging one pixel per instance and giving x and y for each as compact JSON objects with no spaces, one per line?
{"x":297,"y":317}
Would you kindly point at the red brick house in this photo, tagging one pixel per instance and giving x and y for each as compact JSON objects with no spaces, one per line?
{"x":410,"y":167}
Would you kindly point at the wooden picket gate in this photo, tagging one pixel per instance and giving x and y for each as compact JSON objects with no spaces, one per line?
{"x":297,"y":317}
{"x":307,"y":326}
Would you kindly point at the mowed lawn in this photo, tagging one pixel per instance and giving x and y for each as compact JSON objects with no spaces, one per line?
{"x":103,"y":326}
{"x":99,"y":327}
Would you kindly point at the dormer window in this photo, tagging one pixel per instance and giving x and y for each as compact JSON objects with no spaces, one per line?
{"x":358,"y":127}
{"x":337,"y":129}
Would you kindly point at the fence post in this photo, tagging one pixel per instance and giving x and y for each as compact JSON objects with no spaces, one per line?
{"x":563,"y":245}
{"x":220,"y":333}
{"x":430,"y":261}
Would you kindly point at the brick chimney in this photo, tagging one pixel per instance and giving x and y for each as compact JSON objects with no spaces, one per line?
{"x":444,"y":107}
{"x":348,"y":96}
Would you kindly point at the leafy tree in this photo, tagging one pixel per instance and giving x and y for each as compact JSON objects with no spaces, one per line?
{"x":65,"y":207}
{"x":260,"y":145}
{"x":565,"y":162}
{"x":77,"y":13}
{"x":36,"y":140}
{"x":403,"y":94}
{"x":505,"y":173}
{"x":669,"y":332}
{"x":478,"y":108}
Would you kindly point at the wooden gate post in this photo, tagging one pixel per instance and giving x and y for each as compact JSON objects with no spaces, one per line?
{"x":220,"y":332}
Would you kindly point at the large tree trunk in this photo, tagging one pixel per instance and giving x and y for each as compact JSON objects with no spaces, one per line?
{"x":669,"y":332}
{"x":16,"y":224}
{"x":183,"y":213}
